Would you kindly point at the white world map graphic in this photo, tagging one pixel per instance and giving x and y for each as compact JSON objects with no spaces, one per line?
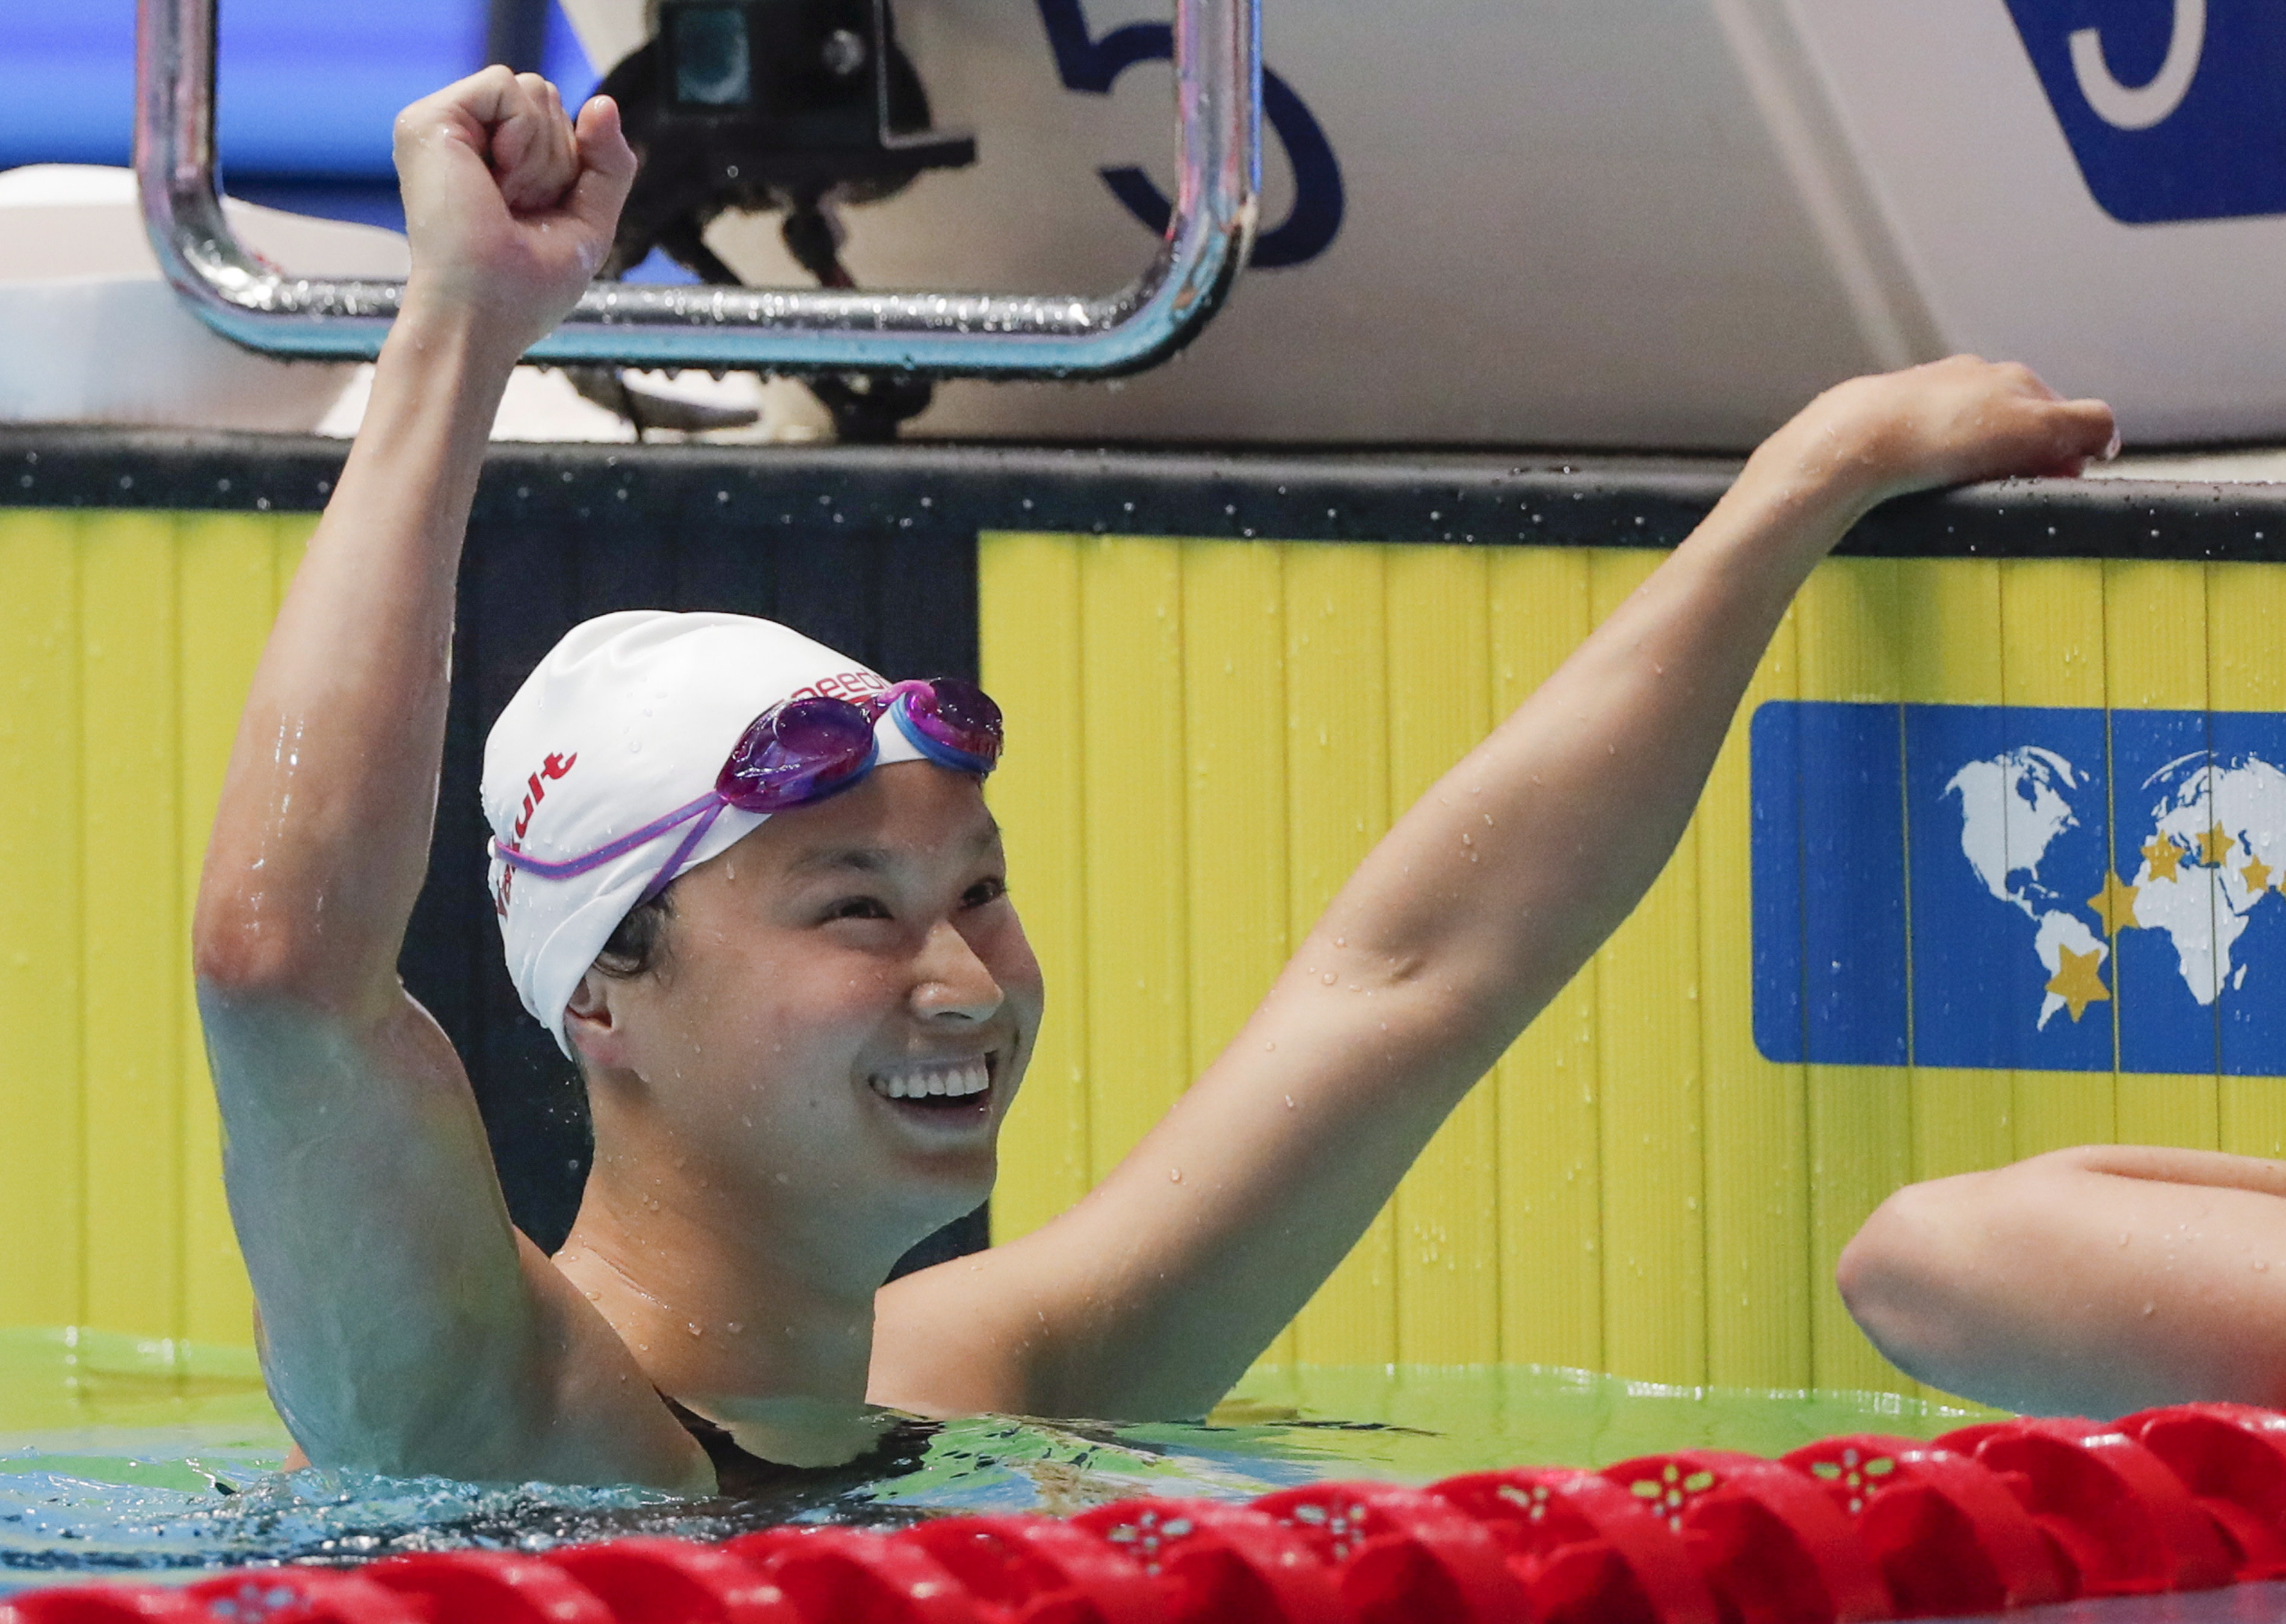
{"x":2214,"y":846}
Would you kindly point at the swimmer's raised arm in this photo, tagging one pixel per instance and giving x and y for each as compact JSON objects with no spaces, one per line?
{"x":406,"y":1326}
{"x":322,"y":842}
{"x":1153,"y":1295}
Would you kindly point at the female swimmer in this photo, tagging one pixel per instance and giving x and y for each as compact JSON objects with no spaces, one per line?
{"x":800,"y":1051}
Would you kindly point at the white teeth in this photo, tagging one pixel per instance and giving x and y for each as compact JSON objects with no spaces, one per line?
{"x":948,"y":1079}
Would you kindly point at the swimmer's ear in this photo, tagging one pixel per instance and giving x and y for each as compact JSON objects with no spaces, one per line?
{"x":593,"y":1024}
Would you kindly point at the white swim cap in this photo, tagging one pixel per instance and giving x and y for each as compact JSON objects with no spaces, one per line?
{"x":628,"y":720}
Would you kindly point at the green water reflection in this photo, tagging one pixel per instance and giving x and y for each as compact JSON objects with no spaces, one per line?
{"x":124,"y":1455}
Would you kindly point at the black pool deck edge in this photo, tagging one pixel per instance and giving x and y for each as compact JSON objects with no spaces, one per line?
{"x":943,"y":492}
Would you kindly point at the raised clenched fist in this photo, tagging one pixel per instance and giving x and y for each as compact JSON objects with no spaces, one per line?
{"x":508,"y":203}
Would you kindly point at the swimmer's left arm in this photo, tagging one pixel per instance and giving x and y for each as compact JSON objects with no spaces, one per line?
{"x":1157,"y":1290}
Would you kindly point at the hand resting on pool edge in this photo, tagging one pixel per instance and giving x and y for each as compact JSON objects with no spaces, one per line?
{"x":754,"y":1037}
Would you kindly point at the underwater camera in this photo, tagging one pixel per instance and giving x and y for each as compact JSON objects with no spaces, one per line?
{"x":754,"y":106}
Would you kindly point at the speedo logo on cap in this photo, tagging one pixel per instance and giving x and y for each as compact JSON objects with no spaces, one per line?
{"x":848,"y":685}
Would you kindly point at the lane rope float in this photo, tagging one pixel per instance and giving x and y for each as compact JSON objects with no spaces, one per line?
{"x":1849,"y":1530}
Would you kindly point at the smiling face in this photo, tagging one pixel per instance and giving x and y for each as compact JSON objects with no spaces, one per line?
{"x":843,"y":1016}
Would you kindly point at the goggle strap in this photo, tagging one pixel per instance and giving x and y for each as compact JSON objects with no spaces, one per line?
{"x":572,"y":868}
{"x":673,"y":866}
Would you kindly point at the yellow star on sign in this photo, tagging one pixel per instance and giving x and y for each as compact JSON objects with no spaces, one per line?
{"x":2214,"y":846}
{"x":2078,"y":980}
{"x":2115,"y":905}
{"x":2163,"y":855}
{"x":2256,"y":874}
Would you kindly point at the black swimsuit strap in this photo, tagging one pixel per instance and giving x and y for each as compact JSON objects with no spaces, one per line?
{"x":740,"y":1475}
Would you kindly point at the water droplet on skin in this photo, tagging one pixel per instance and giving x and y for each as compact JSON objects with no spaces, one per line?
{"x":693,"y":1328}
{"x":1273,"y":1043}
{"x":1289,"y":1102}
{"x":1341,"y":942}
{"x":2123,"y":1237}
{"x":1174,"y":1175}
{"x":735,"y":1327}
{"x":1328,"y":978}
{"x":2260,"y":1265}
{"x":2149,"y":1309}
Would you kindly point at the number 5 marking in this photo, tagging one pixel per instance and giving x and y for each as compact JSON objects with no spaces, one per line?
{"x":2142,"y":106}
{"x":1091,"y":67}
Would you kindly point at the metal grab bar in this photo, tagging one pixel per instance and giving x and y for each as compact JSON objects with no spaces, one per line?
{"x":1218,"y":102}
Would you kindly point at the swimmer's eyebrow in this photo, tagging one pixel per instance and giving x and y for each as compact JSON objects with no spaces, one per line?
{"x":876,"y":859}
{"x":849,"y":859}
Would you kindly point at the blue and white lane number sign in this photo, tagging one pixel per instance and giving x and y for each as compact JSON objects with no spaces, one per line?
{"x":2174,"y":110}
{"x":1090,"y":65}
{"x":2014,"y":888}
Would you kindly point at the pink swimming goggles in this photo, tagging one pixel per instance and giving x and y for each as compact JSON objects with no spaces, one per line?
{"x":802,"y":750}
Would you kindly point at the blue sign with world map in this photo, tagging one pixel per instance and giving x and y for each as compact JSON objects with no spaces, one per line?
{"x":2020,"y":887}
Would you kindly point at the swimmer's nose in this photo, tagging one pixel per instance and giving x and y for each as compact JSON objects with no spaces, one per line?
{"x":950,"y":982}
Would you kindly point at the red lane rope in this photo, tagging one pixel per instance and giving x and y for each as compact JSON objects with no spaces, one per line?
{"x":1846,"y":1531}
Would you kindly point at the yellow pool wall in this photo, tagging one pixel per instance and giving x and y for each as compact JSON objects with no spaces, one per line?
{"x":127,"y":642}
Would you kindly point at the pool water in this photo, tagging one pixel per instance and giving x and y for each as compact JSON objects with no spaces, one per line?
{"x":120,"y":1456}
{"x":123,"y":1458}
